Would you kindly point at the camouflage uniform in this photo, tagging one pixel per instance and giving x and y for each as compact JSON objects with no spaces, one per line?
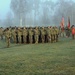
{"x":57,"y":33}
{"x":43,"y":34}
{"x":52,"y":34}
{"x":13,"y":32}
{"x":49,"y":34}
{"x":36,"y":35}
{"x":31,"y":35}
{"x":46,"y":39}
{"x":40,"y":40}
{"x":7,"y":33}
{"x":55,"y":37}
{"x":24,"y":33}
{"x":19,"y":32}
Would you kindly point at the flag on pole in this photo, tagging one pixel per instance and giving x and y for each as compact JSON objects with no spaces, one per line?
{"x":62,"y":23}
{"x":68,"y":23}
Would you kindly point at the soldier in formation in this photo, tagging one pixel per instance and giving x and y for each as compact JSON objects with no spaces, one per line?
{"x":43,"y":34}
{"x":25,"y":34}
{"x":36,"y":35}
{"x":49,"y":34}
{"x":19,"y":33}
{"x":13,"y":34}
{"x":31,"y":35}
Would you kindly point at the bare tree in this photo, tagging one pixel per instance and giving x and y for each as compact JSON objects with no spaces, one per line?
{"x":42,"y":12}
{"x":65,"y":8}
{"x":8,"y":21}
{"x":47,"y":11}
{"x":19,"y":7}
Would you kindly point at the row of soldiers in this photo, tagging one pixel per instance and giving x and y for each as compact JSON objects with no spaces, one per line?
{"x":31,"y":35}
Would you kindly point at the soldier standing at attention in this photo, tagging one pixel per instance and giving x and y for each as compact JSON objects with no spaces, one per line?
{"x":54,"y":34}
{"x":24,"y":33}
{"x":57,"y":33}
{"x":49,"y":34}
{"x":30,"y":35}
{"x":7,"y":34}
{"x":13,"y":32}
{"x":19,"y":32}
{"x":36,"y":35}
{"x":43,"y":34}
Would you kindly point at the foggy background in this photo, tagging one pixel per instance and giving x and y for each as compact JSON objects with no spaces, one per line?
{"x":38,"y":13}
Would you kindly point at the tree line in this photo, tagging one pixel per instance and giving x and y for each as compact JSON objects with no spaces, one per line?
{"x":39,"y":12}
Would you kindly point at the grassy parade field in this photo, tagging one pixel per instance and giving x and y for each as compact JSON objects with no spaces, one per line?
{"x":38,"y":59}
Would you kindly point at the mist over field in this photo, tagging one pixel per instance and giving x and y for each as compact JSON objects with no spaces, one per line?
{"x":39,"y":13}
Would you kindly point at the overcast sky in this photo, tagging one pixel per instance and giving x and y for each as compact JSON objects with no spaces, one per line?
{"x":4,"y":8}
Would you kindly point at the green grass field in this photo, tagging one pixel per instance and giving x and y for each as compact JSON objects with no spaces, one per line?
{"x":38,"y":59}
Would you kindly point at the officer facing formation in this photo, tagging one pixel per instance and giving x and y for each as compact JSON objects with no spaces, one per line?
{"x":7,"y":34}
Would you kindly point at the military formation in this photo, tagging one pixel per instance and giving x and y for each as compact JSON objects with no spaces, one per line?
{"x":29,"y":35}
